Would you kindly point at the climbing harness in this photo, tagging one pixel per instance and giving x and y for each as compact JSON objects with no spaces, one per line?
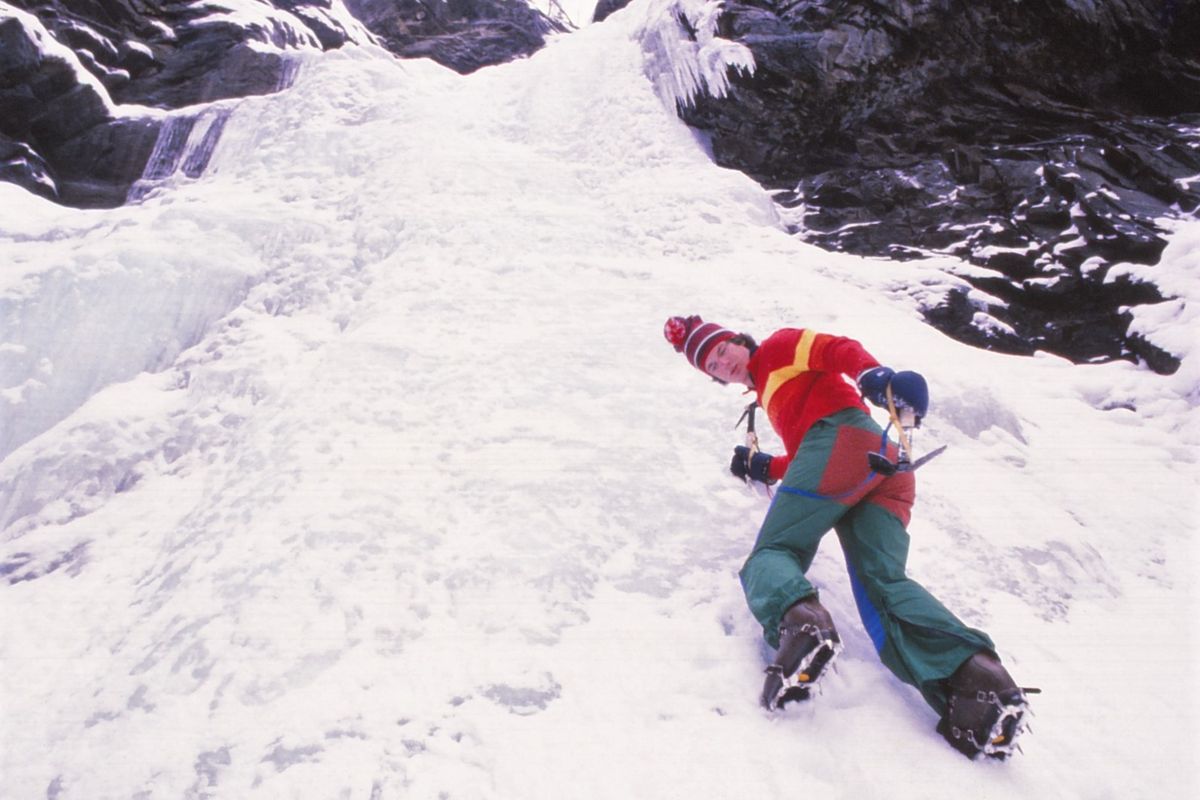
{"x":871,"y":459}
{"x":902,"y":418}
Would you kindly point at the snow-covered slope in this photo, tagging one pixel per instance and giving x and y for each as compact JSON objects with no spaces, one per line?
{"x":360,"y":471}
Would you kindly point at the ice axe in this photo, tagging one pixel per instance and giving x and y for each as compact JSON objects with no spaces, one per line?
{"x":751,"y":436}
{"x":905,"y":420}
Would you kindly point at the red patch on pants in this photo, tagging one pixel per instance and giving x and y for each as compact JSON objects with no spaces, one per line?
{"x":847,"y":470}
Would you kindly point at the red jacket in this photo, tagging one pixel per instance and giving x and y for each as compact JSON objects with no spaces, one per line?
{"x":798,"y":376}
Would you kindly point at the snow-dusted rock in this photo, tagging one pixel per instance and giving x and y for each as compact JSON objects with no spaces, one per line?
{"x":461,"y":34}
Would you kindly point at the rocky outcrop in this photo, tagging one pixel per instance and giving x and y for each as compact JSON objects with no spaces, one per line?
{"x":1041,"y":141}
{"x":605,"y":8}
{"x":461,"y":34}
{"x":72,"y":73}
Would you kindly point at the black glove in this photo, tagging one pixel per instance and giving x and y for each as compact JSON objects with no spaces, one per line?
{"x":755,"y":468}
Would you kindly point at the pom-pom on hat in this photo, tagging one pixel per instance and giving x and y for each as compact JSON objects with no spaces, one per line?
{"x":695,"y":338}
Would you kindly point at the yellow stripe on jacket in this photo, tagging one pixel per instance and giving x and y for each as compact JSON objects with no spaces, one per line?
{"x":799,"y":364}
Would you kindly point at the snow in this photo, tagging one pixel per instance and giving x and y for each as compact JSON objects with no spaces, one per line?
{"x":358,"y":467}
{"x":135,"y":46}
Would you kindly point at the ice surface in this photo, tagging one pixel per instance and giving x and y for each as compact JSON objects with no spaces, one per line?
{"x":369,"y":474}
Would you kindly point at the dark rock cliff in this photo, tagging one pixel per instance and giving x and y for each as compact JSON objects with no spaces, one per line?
{"x":1040,"y":140}
{"x":461,"y":34}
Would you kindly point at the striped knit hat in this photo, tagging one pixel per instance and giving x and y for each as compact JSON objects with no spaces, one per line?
{"x":695,"y":338}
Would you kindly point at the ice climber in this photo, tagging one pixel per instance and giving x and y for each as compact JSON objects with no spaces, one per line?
{"x":806,"y":382}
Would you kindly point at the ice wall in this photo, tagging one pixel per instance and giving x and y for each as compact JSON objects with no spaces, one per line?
{"x":100,"y":307}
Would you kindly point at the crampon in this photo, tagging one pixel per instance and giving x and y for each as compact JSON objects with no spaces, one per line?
{"x":808,"y":644}
{"x":986,"y":711}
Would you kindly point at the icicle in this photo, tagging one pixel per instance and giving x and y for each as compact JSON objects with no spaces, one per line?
{"x":164,"y":159}
{"x":684,"y":56}
{"x":287,"y":75}
{"x":203,"y":141}
{"x":185,"y":145}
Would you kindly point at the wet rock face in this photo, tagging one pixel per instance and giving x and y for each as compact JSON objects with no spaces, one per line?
{"x":463,"y":35}
{"x":61,"y":137}
{"x":1039,"y":140}
{"x":605,"y":8}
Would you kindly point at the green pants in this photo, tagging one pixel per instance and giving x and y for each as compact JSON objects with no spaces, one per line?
{"x":830,"y":486}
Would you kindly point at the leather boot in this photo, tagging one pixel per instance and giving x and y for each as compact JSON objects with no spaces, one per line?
{"x":808,"y":643}
{"x":985,"y":710}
